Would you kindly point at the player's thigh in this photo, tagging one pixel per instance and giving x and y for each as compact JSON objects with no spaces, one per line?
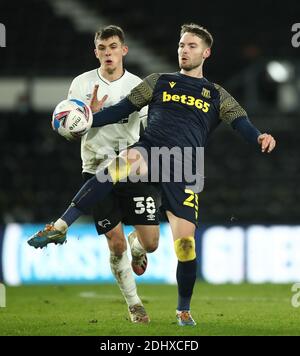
{"x":181,"y":205}
{"x":116,"y":240}
{"x":140,"y":203}
{"x":136,"y":160}
{"x":180,"y":227}
{"x":107,"y":212}
{"x":107,"y":216}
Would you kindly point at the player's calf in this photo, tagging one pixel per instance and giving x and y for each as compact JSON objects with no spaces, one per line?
{"x":139,"y":258}
{"x":186,"y":278}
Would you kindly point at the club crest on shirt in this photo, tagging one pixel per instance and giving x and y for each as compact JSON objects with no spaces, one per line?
{"x":206,"y":93}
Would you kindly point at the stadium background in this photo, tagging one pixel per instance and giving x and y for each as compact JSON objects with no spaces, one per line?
{"x":249,"y":210}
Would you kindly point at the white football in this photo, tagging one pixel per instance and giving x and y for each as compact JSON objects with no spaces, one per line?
{"x":72,"y":119}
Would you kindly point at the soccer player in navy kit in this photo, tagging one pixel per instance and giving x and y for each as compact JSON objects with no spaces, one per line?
{"x":184,"y":109}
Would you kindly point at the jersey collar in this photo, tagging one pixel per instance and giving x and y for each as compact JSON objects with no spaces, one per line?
{"x":107,"y":81}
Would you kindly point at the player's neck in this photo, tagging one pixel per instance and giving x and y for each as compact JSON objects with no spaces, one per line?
{"x":195,"y":73}
{"x":117,"y":74}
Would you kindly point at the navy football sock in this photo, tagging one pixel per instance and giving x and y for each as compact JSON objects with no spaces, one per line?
{"x":91,"y":192}
{"x":186,"y":278}
{"x":71,"y":214}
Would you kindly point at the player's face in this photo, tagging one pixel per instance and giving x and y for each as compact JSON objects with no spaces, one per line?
{"x":110,"y":53}
{"x":192,"y":51}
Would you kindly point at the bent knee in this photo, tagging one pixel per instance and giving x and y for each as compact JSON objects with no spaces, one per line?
{"x":148,"y":237}
{"x":151,"y":247}
{"x":149,"y":240}
{"x":185,"y":249}
{"x":117,"y":247}
{"x":150,"y":243}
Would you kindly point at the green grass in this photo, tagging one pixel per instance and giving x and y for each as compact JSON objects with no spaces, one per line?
{"x":100,"y":310}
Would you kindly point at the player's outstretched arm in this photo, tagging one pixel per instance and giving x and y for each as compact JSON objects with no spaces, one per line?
{"x":232,"y":113}
{"x":251,"y":134}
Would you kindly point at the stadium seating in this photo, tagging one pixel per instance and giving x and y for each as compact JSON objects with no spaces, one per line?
{"x":41,"y":43}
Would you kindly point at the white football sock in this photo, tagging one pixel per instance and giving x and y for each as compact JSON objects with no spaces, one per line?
{"x":121,"y":269}
{"x":136,"y":248}
{"x":60,"y":225}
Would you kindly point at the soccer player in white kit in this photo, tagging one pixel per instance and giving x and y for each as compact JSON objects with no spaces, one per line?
{"x":134,"y":204}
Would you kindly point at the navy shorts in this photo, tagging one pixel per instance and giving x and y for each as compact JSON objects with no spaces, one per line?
{"x":177,"y":197}
{"x":129,"y":203}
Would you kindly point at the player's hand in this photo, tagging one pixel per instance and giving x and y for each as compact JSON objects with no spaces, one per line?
{"x":267,"y":142}
{"x":95,"y":104}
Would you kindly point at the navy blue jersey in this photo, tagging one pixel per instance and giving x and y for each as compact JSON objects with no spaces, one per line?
{"x":183,"y":110}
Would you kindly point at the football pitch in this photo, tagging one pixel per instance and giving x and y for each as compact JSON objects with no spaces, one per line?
{"x":100,"y":310}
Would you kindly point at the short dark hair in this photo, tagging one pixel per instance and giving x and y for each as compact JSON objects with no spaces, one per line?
{"x":198,"y":31}
{"x":110,"y":31}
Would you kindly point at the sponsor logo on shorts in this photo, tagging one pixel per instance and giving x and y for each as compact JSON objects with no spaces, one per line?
{"x":104,"y":223}
{"x":151,"y":217}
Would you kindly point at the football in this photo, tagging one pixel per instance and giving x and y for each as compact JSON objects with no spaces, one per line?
{"x":72,"y":119}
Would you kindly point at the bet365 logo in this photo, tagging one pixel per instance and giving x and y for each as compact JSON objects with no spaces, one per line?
{"x":296,"y":36}
{"x":186,"y":99}
{"x":2,"y":35}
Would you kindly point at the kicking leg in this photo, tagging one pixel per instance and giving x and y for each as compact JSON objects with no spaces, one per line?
{"x":91,"y":192}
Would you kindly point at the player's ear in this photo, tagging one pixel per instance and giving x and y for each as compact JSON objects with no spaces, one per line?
{"x":207,"y":53}
{"x":96,"y":53}
{"x":125,"y":50}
